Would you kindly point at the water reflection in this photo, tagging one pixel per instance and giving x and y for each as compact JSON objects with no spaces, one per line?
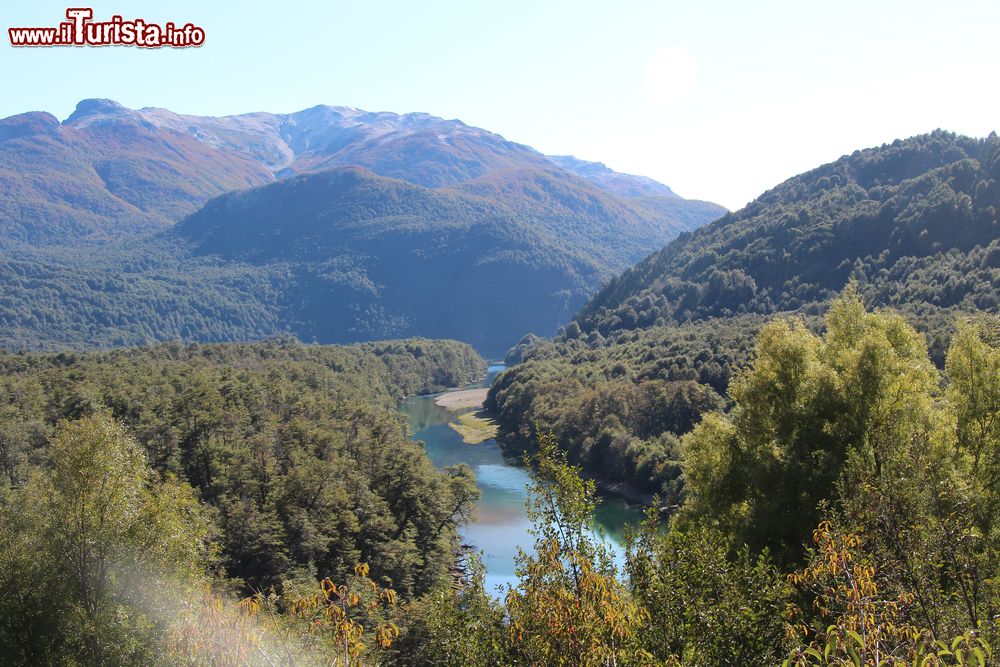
{"x":501,"y":524}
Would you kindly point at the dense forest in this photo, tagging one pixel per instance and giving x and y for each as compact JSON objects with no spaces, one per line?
{"x":842,"y":511}
{"x":275,"y":463}
{"x":339,"y":257}
{"x":912,"y":225}
{"x":619,"y":407}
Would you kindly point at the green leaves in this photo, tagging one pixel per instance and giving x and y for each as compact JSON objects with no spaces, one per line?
{"x":294,"y":451}
{"x":973,"y":393}
{"x":709,"y":602}
{"x":967,"y":650}
{"x":569,"y":608}
{"x":805,"y":407}
{"x":102,"y":532}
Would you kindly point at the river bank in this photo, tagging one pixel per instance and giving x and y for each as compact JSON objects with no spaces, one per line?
{"x":462,"y":399}
{"x":501,"y":527}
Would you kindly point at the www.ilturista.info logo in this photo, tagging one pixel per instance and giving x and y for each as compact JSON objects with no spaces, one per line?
{"x":82,"y":30}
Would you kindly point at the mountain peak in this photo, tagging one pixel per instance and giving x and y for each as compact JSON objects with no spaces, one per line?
{"x":98,"y":108}
{"x":115,"y":150}
{"x":26,"y":124}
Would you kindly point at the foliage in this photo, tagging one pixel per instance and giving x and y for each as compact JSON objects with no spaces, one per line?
{"x":973,"y":369}
{"x":707,"y":603}
{"x":329,"y":610}
{"x":867,"y":628}
{"x":617,"y":406}
{"x":852,"y":426}
{"x":928,"y":517}
{"x":904,"y":567}
{"x":568,"y":607}
{"x":456,"y":625}
{"x":328,"y":625}
{"x":298,"y":449}
{"x":805,"y":406}
{"x":913,"y":223}
{"x":84,"y":543}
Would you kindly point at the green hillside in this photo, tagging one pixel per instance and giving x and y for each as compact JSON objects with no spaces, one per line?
{"x":914,"y":225}
{"x":336,"y":257}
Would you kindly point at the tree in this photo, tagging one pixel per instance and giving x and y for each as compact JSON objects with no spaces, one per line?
{"x":100,"y":534}
{"x":806,"y":406}
{"x":706,"y":602}
{"x":568,"y":607}
{"x":973,"y":368}
{"x":854,"y":622}
{"x":459,"y":624}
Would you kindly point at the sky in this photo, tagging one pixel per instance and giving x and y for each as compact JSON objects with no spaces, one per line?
{"x":719,"y":100}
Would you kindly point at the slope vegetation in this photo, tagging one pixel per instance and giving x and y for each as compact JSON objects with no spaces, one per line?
{"x":913,"y":225}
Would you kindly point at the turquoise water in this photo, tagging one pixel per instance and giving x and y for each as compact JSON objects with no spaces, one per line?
{"x":501,"y":524}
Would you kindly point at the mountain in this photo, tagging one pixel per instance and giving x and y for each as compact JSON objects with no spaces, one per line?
{"x":293,"y":219}
{"x":912,"y":224}
{"x":622,"y":185}
{"x":104,"y":173}
{"x":339,"y":256}
{"x":483,"y":262}
{"x":641,"y":191}
{"x":331,"y":223}
{"x":108,"y":171}
{"x":415,"y":147}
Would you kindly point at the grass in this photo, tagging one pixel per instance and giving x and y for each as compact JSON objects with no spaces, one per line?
{"x":475,"y":427}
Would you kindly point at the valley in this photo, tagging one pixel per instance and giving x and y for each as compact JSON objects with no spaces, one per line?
{"x":245,"y":407}
{"x":342,"y":226}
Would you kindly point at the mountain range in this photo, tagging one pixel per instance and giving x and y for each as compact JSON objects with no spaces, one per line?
{"x":332,"y":223}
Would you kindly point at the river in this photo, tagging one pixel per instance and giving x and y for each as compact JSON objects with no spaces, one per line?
{"x":501,"y":524}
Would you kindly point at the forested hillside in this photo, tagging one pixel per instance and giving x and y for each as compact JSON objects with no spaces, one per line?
{"x":338,"y":257}
{"x":279,"y":462}
{"x":91,"y":180}
{"x":380,"y":225}
{"x":913,"y":225}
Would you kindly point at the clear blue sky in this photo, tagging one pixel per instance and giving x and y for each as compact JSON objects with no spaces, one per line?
{"x":720,"y":100}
